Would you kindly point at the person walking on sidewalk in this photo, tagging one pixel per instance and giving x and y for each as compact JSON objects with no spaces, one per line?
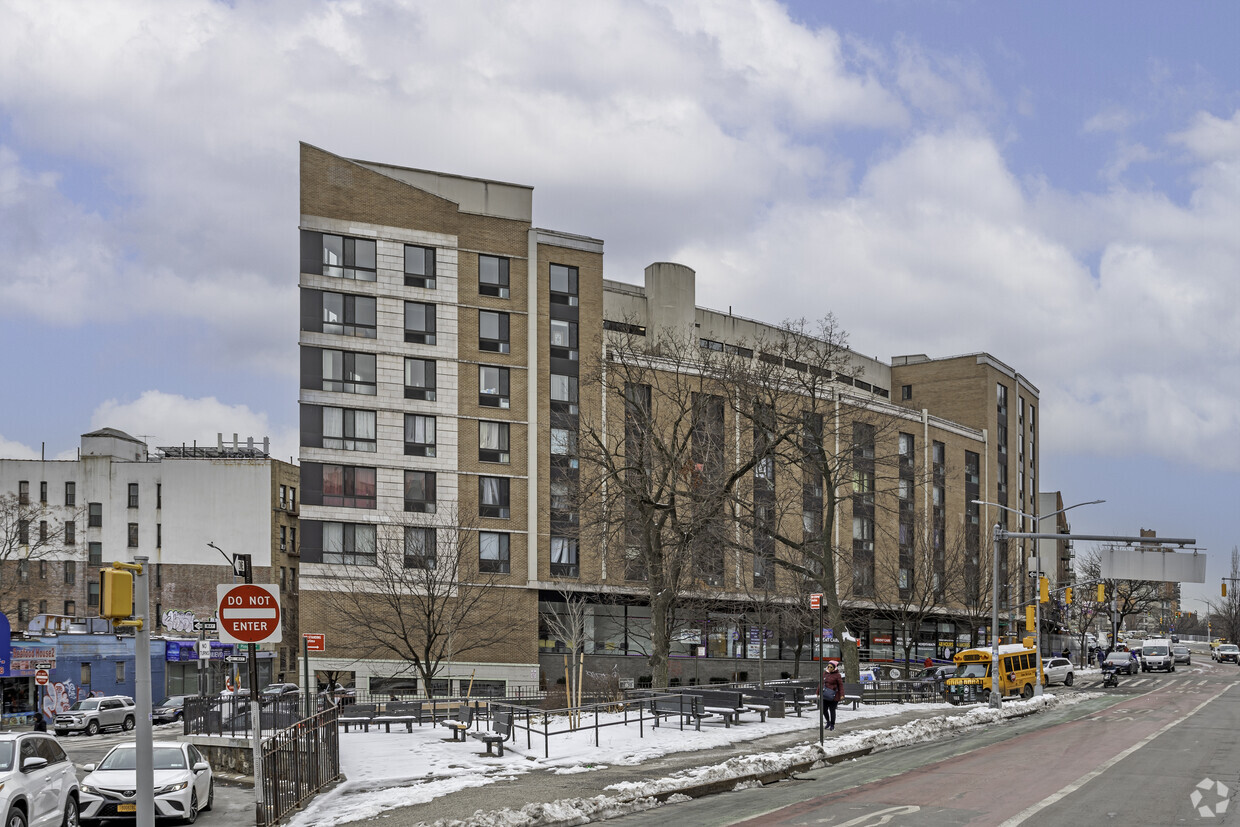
{"x":830,"y":691}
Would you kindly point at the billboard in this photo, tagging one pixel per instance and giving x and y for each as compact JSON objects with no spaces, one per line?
{"x":1152,"y":563}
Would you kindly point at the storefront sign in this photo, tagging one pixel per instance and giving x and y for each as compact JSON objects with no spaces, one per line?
{"x":6,"y":644}
{"x":179,"y":651}
{"x":27,"y":659}
{"x":881,"y":639}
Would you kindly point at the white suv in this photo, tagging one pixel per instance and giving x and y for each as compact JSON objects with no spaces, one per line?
{"x":38,"y":784}
{"x":93,"y":714}
{"x":1157,"y":654}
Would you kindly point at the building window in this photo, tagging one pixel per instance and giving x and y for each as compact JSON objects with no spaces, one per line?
{"x":493,"y":331}
{"x":564,"y":557}
{"x":133,"y":495}
{"x":323,"y":254}
{"x":159,"y":535}
{"x":348,"y":430}
{"x":493,"y":441}
{"x":42,"y":607}
{"x":92,"y":594}
{"x":23,"y":532}
{"x":906,"y":392}
{"x":420,"y":379}
{"x":94,"y":554}
{"x":561,"y":496}
{"x":23,"y":611}
{"x":283,"y":496}
{"x":564,"y":340}
{"x":564,"y":392}
{"x":95,"y":515}
{"x":43,"y":492}
{"x":341,"y":314}
{"x":419,"y":266}
{"x":133,"y":535}
{"x":159,"y":495}
{"x":564,"y":444}
{"x":70,"y":533}
{"x":420,"y":491}
{"x":348,"y":486}
{"x":420,"y":323}
{"x":349,"y":372}
{"x":493,"y":387}
{"x":419,"y":435}
{"x":493,"y":497}
{"x":71,"y":611}
{"x":349,"y":544}
{"x":42,"y":569}
{"x":493,"y":276}
{"x":563,"y":284}
{"x":493,"y":552}
{"x":283,"y":539}
{"x":23,"y":571}
{"x":159,"y":575}
{"x":23,"y":492}
{"x":419,"y":548}
{"x":70,"y":493}
{"x":292,"y":541}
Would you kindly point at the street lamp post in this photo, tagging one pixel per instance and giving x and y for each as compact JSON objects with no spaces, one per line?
{"x":1000,"y":534}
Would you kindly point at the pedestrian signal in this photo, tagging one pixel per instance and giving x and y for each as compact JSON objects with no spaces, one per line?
{"x":115,"y":593}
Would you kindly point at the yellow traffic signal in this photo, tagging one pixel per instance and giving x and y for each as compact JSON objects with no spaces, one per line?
{"x":1102,"y":593}
{"x":115,"y":593}
{"x":1030,"y":623}
{"x":1224,"y":590}
{"x":1067,"y":596}
{"x":1044,"y":590}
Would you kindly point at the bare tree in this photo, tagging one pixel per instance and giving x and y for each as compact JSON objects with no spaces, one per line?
{"x":1130,"y":598}
{"x":970,"y":586}
{"x":911,"y":585}
{"x":29,"y":532}
{"x":422,"y":599}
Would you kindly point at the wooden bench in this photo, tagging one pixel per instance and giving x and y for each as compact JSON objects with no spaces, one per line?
{"x":399,"y":712}
{"x":684,"y":707}
{"x":852,"y":693}
{"x":461,"y":723}
{"x":796,"y":696}
{"x":501,"y":728}
{"x":357,"y":715}
{"x":724,"y":703}
{"x":769,"y":700}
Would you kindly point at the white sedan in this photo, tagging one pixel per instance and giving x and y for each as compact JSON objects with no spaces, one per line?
{"x":1057,"y":670}
{"x":183,"y":783}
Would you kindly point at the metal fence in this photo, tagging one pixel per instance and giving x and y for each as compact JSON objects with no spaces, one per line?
{"x":231,"y":716}
{"x":297,"y":763}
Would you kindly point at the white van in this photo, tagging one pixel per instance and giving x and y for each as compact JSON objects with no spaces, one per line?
{"x":1156,"y":654}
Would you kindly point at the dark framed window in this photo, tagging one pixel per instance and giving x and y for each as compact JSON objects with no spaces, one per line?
{"x":23,"y":533}
{"x":70,"y":533}
{"x":493,"y":441}
{"x":349,"y":372}
{"x":563,"y":284}
{"x":906,"y":392}
{"x":23,"y":611}
{"x":564,"y":444}
{"x":159,"y":495}
{"x":420,"y":379}
{"x":348,"y":486}
{"x":94,"y":554}
{"x":43,"y":492}
{"x":493,"y":386}
{"x":419,"y":548}
{"x":23,"y":571}
{"x":419,"y":435}
{"x":70,"y":493}
{"x":564,"y":392}
{"x":70,"y":572}
{"x":133,"y":495}
{"x":493,"y":497}
{"x":159,"y":537}
{"x":341,"y":257}
{"x":564,"y":561}
{"x":23,"y":492}
{"x":71,"y":610}
{"x":92,"y":594}
{"x":133,"y":535}
{"x":493,"y":276}
{"x":351,"y":544}
{"x":419,"y":266}
{"x":420,"y":491}
{"x":493,"y":552}
{"x":420,"y":323}
{"x":347,"y":429}
{"x":94,"y":512}
{"x":342,"y":314}
{"x":493,"y":331}
{"x":564,"y":339}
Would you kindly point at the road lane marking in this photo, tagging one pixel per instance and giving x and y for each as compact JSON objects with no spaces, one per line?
{"x":1034,"y":809}
{"x":887,"y":814}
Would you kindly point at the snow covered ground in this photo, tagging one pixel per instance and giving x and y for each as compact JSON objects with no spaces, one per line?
{"x":386,"y":771}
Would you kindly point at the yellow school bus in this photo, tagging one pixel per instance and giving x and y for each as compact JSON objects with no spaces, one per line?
{"x":1018,"y":672}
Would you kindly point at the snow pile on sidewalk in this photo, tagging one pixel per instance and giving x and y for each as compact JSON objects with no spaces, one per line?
{"x":386,"y":771}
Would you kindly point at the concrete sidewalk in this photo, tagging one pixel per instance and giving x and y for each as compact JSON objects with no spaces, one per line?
{"x":541,"y":787}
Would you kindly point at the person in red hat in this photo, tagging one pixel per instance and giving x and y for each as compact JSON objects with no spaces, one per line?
{"x":830,"y":691}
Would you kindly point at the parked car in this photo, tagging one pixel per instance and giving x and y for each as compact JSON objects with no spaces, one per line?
{"x":279,"y":690}
{"x":1057,"y":670}
{"x":93,"y":714}
{"x":170,"y":710}
{"x":1122,"y":662}
{"x":1182,"y":654}
{"x":37,"y":781}
{"x":1156,"y":654}
{"x":932,"y":679}
{"x":183,"y":783}
{"x":1175,"y":638}
{"x":1226,"y":653}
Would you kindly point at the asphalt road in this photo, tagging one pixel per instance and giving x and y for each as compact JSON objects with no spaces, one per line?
{"x":233,"y":805}
{"x":1134,"y":756}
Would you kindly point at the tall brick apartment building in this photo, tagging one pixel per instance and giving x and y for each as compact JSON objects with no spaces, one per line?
{"x":118,"y":499}
{"x":443,"y":343}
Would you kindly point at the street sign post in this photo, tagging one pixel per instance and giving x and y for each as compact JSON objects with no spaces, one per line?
{"x":204,"y":650}
{"x":235,"y":658}
{"x":205,"y":625}
{"x":316,"y":642}
{"x":41,"y":677}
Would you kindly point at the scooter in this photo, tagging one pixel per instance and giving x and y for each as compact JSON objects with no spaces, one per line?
{"x":1110,"y":676}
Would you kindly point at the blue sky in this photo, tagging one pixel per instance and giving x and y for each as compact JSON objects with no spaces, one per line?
{"x":1056,"y":184}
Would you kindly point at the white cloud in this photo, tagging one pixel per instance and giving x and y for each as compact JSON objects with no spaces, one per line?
{"x":16,"y":450}
{"x":163,"y":419}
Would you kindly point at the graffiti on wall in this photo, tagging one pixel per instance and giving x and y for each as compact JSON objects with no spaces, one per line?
{"x":179,"y":621}
{"x":58,"y":697}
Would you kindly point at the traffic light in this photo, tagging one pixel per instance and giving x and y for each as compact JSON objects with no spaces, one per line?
{"x":1224,"y":590}
{"x":1067,"y":595}
{"x":1044,"y":590}
{"x":115,"y":594}
{"x":1030,"y":623}
{"x":1102,"y":592}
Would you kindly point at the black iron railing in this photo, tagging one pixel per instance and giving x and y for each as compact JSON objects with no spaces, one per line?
{"x":298,"y":762}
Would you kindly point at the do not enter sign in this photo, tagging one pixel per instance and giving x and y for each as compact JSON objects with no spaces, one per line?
{"x":40,"y":677}
{"x":249,"y":613}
